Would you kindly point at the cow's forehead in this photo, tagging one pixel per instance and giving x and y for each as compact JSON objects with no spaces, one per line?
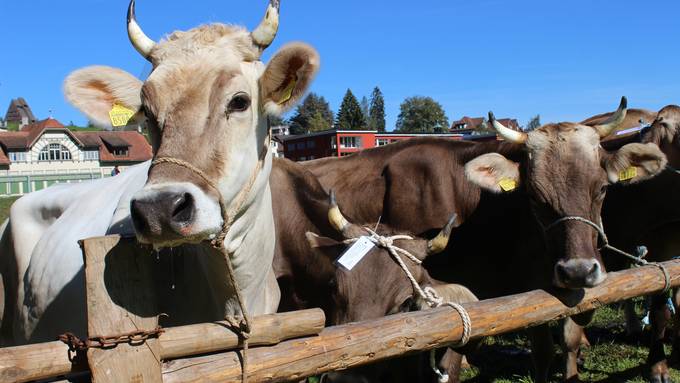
{"x":207,"y":42}
{"x":563,"y":139}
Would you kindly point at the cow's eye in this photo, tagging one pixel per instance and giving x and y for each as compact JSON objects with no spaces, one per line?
{"x":239,"y":103}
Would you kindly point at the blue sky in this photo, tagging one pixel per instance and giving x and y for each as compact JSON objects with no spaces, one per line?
{"x":564,"y":60}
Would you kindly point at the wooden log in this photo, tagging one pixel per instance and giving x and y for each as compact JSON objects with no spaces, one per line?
{"x":342,"y":347}
{"x":48,"y":360}
{"x":120,"y":299}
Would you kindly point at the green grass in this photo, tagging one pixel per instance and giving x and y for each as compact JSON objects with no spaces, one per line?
{"x":612,"y":357}
{"x":5,"y":204}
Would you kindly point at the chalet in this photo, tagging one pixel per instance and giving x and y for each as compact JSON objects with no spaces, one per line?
{"x":46,"y":152}
{"x":476,"y":126}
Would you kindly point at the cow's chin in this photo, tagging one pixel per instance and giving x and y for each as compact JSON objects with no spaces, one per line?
{"x":189,"y":239}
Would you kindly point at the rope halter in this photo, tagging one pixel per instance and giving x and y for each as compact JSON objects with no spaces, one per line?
{"x":242,"y":326}
{"x":428,"y":294}
{"x":638,"y":259}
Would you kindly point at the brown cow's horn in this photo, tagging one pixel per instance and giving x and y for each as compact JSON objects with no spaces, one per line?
{"x":607,"y":127}
{"x":507,"y":133}
{"x":265,"y":33}
{"x":439,"y":243}
{"x":335,"y":217}
{"x":142,"y":43}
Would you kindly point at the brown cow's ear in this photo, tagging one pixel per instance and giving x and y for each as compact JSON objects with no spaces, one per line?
{"x":287,"y":77}
{"x":96,"y":90}
{"x":319,"y":241}
{"x":493,"y":172}
{"x":634,"y":163}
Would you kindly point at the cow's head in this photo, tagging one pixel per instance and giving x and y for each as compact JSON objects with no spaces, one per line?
{"x":565,"y":174}
{"x":206,"y":103}
{"x":377,"y":285}
{"x":665,"y":132}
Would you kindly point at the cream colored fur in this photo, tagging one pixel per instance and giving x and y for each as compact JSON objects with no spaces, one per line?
{"x":487,"y":170}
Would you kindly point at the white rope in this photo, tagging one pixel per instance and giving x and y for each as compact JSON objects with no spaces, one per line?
{"x":638,"y":260}
{"x":428,"y":293}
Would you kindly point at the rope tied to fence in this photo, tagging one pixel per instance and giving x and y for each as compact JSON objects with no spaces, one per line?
{"x":638,"y":259}
{"x":428,"y":294}
{"x":242,"y":326}
{"x":133,"y":338}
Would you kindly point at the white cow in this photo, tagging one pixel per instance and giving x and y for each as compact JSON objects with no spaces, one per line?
{"x":205,"y":104}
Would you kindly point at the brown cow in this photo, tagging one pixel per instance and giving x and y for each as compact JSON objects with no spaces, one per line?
{"x":375,"y":287}
{"x":644,"y":214}
{"x":559,"y":170}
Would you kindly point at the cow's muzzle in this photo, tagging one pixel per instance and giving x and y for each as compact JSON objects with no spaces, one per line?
{"x":173,"y":214}
{"x":579,"y":273}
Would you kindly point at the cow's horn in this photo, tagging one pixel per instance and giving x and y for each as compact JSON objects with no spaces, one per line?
{"x":265,"y":33}
{"x":439,"y":243}
{"x":142,"y":43}
{"x":335,"y":217}
{"x":607,"y":127}
{"x":507,"y":133}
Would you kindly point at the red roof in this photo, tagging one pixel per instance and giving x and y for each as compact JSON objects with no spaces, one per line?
{"x":138,"y":149}
{"x":3,"y":158}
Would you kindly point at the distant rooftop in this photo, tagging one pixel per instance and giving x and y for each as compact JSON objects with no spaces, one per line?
{"x":19,"y":112}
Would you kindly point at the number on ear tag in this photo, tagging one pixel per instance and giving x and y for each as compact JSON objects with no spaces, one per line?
{"x":628,"y":174}
{"x":120,"y":115}
{"x":507,"y":184}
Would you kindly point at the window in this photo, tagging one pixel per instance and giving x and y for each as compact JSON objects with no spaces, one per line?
{"x":303,"y":158}
{"x":291,"y":147}
{"x":91,"y":155}
{"x":121,"y":152}
{"x":300,"y":145}
{"x":54,"y":152}
{"x":17,"y":156}
{"x":311,"y":144}
{"x":382,"y":142}
{"x":350,"y":142}
{"x":344,"y":154}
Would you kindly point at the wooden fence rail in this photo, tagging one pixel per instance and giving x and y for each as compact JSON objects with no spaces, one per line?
{"x":342,"y":347}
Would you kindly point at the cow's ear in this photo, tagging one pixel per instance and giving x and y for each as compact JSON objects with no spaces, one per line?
{"x":316,"y":241}
{"x":287,"y":77}
{"x":95,"y":91}
{"x":634,"y":163}
{"x":493,"y":172}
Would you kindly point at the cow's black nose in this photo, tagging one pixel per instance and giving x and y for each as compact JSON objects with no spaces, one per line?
{"x":578,"y":273}
{"x":162,"y":215}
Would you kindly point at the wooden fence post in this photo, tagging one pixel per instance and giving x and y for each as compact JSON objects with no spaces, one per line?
{"x":120,"y":299}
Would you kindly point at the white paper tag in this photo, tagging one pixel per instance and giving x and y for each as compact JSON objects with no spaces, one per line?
{"x":352,"y":256}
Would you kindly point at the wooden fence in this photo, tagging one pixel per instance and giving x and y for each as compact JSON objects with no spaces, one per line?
{"x":305,"y":349}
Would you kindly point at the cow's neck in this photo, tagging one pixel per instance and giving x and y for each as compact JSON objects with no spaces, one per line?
{"x":250,"y":241}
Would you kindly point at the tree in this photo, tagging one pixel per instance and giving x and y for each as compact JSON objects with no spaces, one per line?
{"x":312,"y":115}
{"x":421,"y":115}
{"x":365,"y":111}
{"x":376,"y":120}
{"x":350,"y":116}
{"x":276,"y":121}
{"x":534,"y":123}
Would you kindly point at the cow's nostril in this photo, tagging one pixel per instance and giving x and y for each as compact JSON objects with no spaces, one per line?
{"x":183,"y":208}
{"x":138,"y":217}
{"x":594,"y":269}
{"x":562,"y":273}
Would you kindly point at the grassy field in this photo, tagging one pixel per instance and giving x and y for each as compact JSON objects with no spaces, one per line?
{"x":5,"y":204}
{"x":611,"y":358}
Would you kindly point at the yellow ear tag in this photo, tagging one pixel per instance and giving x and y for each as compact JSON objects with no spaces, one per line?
{"x":120,"y":115}
{"x":288,"y":92}
{"x":628,"y":174}
{"x":507,"y":184}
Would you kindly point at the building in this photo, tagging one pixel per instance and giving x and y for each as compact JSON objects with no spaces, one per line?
{"x":19,"y":113}
{"x":479,"y":126}
{"x":278,"y":132}
{"x":46,"y":152}
{"x":339,"y":143}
